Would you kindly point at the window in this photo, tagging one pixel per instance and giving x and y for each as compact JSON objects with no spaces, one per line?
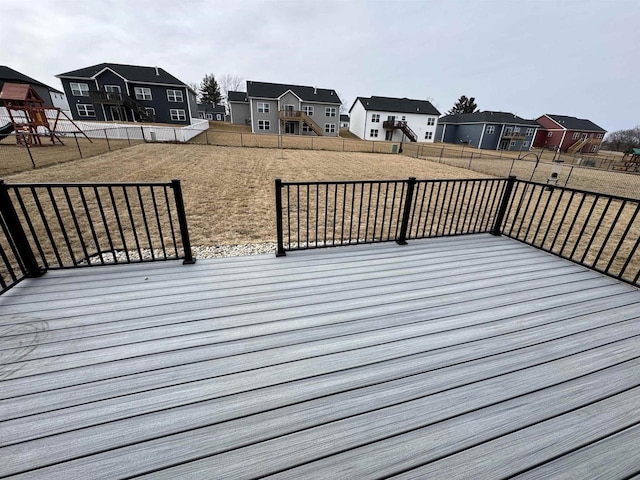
{"x":112,"y":88}
{"x":428,"y":135}
{"x":373,"y":133}
{"x":431,"y":122}
{"x":375,"y":118}
{"x":516,"y":129}
{"x":308,"y":110}
{"x":330,"y":111}
{"x":529,"y":132}
{"x":178,"y":114}
{"x":86,"y":110}
{"x":150,"y":111}
{"x":264,"y":108}
{"x":576,"y":136}
{"x":600,"y":135}
{"x":329,"y":128}
{"x":508,"y":131}
{"x":209,"y":116}
{"x":513,"y":143}
{"x":550,"y":134}
{"x":404,"y":118}
{"x":306,"y":128}
{"x":142,"y":93}
{"x":594,"y":148}
{"x":175,"y":96}
{"x":79,"y":89}
{"x":525,"y":144}
{"x":218,"y":116}
{"x":491,"y":129}
{"x":264,"y":124}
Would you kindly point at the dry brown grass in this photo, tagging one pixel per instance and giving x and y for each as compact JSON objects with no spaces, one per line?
{"x":229,"y":193}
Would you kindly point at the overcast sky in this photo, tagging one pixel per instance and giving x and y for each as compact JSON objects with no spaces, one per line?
{"x":570,"y":57}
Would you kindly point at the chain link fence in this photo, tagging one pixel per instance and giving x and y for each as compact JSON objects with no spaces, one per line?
{"x":602,"y":175}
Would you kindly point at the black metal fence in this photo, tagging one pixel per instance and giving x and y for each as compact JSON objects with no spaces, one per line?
{"x":53,"y":226}
{"x":596,"y":230}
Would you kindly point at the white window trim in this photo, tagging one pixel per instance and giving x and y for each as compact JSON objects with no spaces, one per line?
{"x":600,"y":135}
{"x":329,"y":128}
{"x":512,"y":144}
{"x":308,"y":110}
{"x":375,"y":118}
{"x":491,"y":129}
{"x":306,"y":128}
{"x":175,"y":114}
{"x":428,"y":135}
{"x":153,"y":110}
{"x":330,"y":111}
{"x":263,"y":107}
{"x":218,"y":116}
{"x":529,"y":132}
{"x":576,"y":135}
{"x":174,"y":93}
{"x":266,"y":124}
{"x":85,"y":106}
{"x":373,"y":133}
{"x":549,"y":134}
{"x":83,"y":92}
{"x":431,"y":122}
{"x":516,"y":129}
{"x":525,"y":143}
{"x":141,"y":93}
{"x":594,"y":148}
{"x":119,"y":90}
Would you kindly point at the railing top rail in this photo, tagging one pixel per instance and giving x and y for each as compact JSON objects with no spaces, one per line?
{"x":577,"y":190}
{"x":87,"y":184}
{"x":357,"y":182}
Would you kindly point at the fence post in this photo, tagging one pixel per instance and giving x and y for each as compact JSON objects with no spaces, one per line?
{"x":107,"y":137}
{"x":470,"y":160}
{"x":343,"y":144}
{"x":206,"y":136}
{"x":126,"y":130}
{"x":175,"y":136}
{"x":402,"y":239}
{"x":568,"y":176}
{"x":502,"y":207}
{"x":182,"y":220}
{"x":75,"y":136}
{"x":26,"y":144}
{"x":441,"y":152}
{"x":280,"y":252}
{"x":17,"y":235}
{"x":241,"y":141}
{"x":142,"y":130}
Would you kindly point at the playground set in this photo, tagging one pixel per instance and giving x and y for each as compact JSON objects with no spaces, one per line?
{"x":31,"y":121}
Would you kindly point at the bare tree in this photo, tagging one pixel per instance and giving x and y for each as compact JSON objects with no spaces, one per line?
{"x":229,"y":83}
{"x":623,"y":140}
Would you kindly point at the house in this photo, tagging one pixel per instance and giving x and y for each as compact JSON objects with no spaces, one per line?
{"x":344,"y":121}
{"x":279,"y":108}
{"x":568,"y":134}
{"x":50,"y":96}
{"x":128,"y":93}
{"x":212,"y":112}
{"x":487,"y":130}
{"x":393,"y":119}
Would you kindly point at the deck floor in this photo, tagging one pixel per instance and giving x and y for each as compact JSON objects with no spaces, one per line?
{"x":466,"y":357}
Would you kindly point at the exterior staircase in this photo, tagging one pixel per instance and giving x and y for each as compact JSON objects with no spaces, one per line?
{"x":300,"y":116}
{"x":402,"y":126}
{"x":576,"y":147}
{"x":117,"y":98}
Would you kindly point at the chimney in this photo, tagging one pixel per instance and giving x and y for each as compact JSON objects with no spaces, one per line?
{"x":157,"y":72}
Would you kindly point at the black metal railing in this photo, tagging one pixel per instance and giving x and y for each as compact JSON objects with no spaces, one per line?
{"x":52,"y":226}
{"x":599,"y":231}
{"x":324,"y":214}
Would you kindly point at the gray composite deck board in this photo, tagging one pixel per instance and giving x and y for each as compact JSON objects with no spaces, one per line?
{"x":347,"y":362}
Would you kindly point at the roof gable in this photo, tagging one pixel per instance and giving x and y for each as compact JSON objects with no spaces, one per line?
{"x":306,"y":94}
{"x":399,"y":105}
{"x":131,"y":73}
{"x":237,"y":97}
{"x":19,"y":92}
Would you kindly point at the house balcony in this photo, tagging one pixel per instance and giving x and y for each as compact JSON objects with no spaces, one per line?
{"x":400,"y":125}
{"x":513,"y":136}
{"x":108,"y":98}
{"x":461,"y":352}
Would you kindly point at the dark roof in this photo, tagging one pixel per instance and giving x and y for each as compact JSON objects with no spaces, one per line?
{"x":132,"y":73}
{"x":237,"y":96}
{"x":8,"y":74}
{"x":487,"y":117}
{"x":400,"y":105}
{"x":307,"y":94}
{"x":344,"y":118}
{"x":573,"y":123}
{"x":207,"y":107}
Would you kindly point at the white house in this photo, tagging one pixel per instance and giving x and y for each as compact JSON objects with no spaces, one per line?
{"x":393,"y":119}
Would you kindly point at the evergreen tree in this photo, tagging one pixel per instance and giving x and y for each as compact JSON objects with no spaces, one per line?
{"x":464,"y":105}
{"x":210,"y":90}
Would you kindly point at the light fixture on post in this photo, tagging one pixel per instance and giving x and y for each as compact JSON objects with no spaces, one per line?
{"x":556,"y":169}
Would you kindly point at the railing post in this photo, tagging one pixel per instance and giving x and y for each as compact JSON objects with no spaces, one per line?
{"x":402,"y":239}
{"x":280,"y":252}
{"x":26,"y":144}
{"x":75,"y":136}
{"x":182,"y":219}
{"x":502,"y":207}
{"x":18,"y":237}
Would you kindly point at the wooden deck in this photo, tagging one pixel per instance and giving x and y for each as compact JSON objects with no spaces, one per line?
{"x":468,"y":357}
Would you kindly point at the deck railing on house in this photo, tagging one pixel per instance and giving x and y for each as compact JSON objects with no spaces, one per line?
{"x":52,"y":226}
{"x":599,"y":231}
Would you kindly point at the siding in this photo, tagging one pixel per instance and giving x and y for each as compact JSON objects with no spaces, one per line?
{"x":240,"y":113}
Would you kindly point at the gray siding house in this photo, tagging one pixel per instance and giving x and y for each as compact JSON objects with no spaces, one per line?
{"x":128,"y":93}
{"x":487,"y":130}
{"x":276,"y":108}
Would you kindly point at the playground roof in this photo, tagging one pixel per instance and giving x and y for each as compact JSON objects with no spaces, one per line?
{"x":8,"y":74}
{"x":19,"y":91}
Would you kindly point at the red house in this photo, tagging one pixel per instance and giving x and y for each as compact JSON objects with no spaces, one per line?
{"x":568,"y":134}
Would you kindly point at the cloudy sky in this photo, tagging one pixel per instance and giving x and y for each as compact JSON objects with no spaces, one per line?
{"x":571,"y":57}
